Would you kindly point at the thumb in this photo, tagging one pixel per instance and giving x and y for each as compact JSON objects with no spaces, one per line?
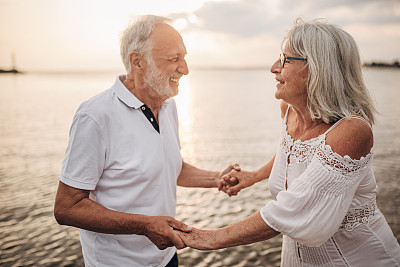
{"x":236,"y":167}
{"x":233,"y":181}
{"x":180,"y":226}
{"x":177,"y":241}
{"x":234,"y":190}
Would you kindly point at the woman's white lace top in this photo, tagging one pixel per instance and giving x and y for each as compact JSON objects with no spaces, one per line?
{"x":326,"y":194}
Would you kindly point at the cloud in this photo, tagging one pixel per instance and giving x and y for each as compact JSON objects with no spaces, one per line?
{"x":240,"y":18}
{"x":244,"y":18}
{"x":240,"y":27}
{"x":250,"y":18}
{"x":345,"y":12}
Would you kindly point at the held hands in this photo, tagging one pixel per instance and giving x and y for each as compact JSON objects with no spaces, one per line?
{"x":223,"y":184}
{"x":160,"y":231}
{"x":234,"y":181}
{"x":166,"y":232}
{"x":230,"y":168}
{"x":199,"y":239}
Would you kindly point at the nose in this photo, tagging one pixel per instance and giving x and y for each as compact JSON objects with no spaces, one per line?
{"x":276,"y":67}
{"x":183,"y":68}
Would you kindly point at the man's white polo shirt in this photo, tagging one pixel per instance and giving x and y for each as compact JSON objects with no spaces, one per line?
{"x":115,"y":152}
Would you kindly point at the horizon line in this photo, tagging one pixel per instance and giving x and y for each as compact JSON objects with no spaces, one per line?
{"x":394,"y":63}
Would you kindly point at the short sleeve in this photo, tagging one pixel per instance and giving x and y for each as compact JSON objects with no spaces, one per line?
{"x":85,"y":155}
{"x":313,"y":207}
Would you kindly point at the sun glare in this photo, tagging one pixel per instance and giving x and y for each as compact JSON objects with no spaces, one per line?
{"x":183,"y":105}
{"x":180,"y":24}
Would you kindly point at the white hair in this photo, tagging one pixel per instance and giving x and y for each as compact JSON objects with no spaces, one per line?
{"x":136,"y":37}
{"x":336,"y":87}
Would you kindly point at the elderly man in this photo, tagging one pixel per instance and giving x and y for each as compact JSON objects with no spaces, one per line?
{"x":122,"y":165}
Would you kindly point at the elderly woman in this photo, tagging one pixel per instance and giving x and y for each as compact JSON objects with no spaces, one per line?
{"x":321,"y":176}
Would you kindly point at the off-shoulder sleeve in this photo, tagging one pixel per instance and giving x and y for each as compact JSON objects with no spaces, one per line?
{"x":313,"y":207}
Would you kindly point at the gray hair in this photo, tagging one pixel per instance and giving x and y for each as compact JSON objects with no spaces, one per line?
{"x":336,"y":87}
{"x":136,"y":37}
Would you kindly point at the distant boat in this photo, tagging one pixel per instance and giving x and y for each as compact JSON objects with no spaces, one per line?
{"x":9,"y":71}
{"x":14,"y":69}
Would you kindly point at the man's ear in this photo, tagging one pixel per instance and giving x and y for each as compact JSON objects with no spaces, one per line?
{"x":135,"y":59}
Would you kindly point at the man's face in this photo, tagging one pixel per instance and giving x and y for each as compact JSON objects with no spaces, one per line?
{"x":158,"y":81}
{"x":167,"y":63}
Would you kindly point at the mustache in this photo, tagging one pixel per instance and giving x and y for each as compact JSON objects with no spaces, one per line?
{"x":176,"y":75}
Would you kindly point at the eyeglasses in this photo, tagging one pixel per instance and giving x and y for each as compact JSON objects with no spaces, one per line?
{"x":283,"y":59}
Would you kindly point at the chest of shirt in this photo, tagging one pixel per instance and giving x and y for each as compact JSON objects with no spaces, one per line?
{"x":134,"y":146}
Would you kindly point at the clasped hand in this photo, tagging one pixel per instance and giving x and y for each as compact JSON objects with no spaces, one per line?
{"x":231,"y":181}
{"x":199,"y":239}
{"x":236,"y":180}
{"x":165,"y":231}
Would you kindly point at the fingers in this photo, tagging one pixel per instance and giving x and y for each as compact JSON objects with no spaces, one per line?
{"x":223,"y":182}
{"x":233,"y":181}
{"x":236,"y":167}
{"x":230,"y":178}
{"x":161,"y":232}
{"x":227,"y":181}
{"x":231,"y":167}
{"x":179,"y":225}
{"x":179,"y":228}
{"x":176,"y":240}
{"x":234,"y":190}
{"x":184,"y":238}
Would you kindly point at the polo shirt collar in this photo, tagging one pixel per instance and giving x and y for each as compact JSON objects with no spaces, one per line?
{"x":124,"y":94}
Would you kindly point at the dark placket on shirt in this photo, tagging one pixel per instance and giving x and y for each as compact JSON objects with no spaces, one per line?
{"x":150,"y":116}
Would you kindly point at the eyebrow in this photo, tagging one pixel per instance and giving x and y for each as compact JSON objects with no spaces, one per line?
{"x":176,"y":54}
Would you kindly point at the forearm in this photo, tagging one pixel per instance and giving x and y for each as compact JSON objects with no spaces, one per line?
{"x":87,"y":214}
{"x":236,"y":181}
{"x":74,"y":207}
{"x":265,"y":171}
{"x":191,"y":176}
{"x":250,"y":230}
{"x":91,"y":216}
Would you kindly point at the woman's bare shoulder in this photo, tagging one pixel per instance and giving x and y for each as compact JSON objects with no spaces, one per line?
{"x":351,"y":137}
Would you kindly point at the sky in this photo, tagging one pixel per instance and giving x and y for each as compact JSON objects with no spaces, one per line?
{"x":83,"y":35}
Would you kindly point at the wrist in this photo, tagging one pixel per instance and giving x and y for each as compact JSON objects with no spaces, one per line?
{"x":215,"y":241}
{"x":257,"y":176}
{"x":217,"y":176}
{"x":220,"y":238}
{"x":144,"y":223}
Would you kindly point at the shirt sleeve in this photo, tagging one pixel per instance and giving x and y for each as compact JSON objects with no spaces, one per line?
{"x":85,"y":155}
{"x":315,"y":204}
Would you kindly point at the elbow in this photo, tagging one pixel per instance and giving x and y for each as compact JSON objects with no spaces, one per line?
{"x":60,"y":215}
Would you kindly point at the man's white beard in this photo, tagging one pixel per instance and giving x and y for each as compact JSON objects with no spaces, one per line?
{"x":157,"y":82}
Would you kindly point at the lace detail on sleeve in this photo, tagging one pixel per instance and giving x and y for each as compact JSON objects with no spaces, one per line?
{"x":341,"y":165}
{"x":356,"y":216}
{"x":331,"y":174}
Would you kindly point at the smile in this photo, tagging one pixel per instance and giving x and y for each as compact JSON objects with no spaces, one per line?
{"x":175,"y":80}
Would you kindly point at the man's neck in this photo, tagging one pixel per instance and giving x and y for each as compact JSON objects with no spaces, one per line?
{"x":146,"y":97}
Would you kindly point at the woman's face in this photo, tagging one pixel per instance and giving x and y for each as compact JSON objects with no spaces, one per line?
{"x":292,"y":79}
